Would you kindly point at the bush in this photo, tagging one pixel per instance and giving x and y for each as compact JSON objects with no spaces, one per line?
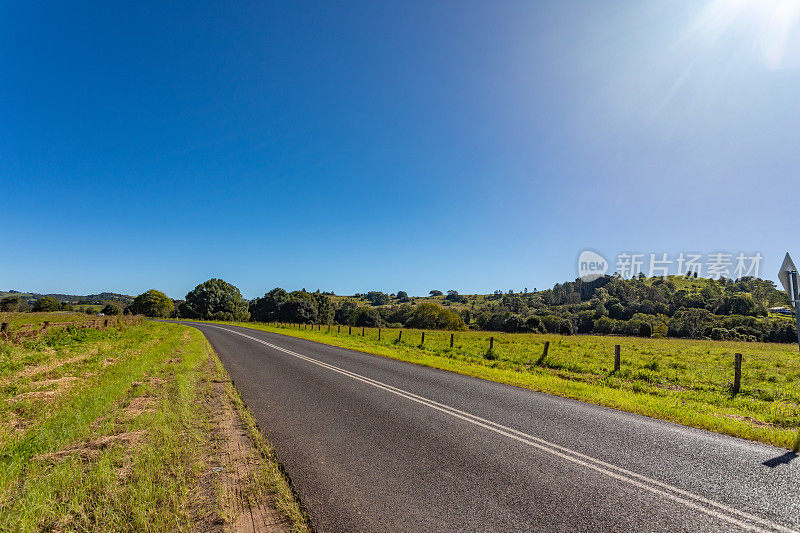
{"x":432,"y":316}
{"x":604,"y":325}
{"x":216,"y":299}
{"x":13,"y":303}
{"x":719,"y":334}
{"x":366,"y":317}
{"x":152,"y":303}
{"x":377,"y":298}
{"x":344,"y":312}
{"x":112,"y":308}
{"x":46,"y":303}
{"x":552,"y":323}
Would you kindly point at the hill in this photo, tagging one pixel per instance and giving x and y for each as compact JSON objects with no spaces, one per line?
{"x":73,"y":299}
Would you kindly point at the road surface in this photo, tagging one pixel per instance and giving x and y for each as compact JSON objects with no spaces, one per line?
{"x":375,"y":444}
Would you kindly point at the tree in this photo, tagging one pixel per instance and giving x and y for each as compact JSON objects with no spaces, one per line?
{"x":299,"y":307}
{"x":401,"y":295}
{"x":267,"y":309}
{"x":377,"y":298}
{"x":344,"y":312}
{"x":152,"y":303}
{"x":435,"y":292}
{"x":324,"y":308}
{"x":366,"y":317}
{"x":12,"y":303}
{"x":112,"y":308}
{"x":46,"y":303}
{"x":216,"y":299}
{"x":432,"y":316}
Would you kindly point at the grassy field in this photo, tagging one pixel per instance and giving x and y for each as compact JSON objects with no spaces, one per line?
{"x":17,"y":319}
{"x":684,"y":381}
{"x":118,"y":430}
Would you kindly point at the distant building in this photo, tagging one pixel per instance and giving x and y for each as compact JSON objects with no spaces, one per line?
{"x":781,"y":310}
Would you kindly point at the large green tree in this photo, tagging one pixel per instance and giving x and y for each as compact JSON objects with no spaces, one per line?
{"x":152,"y":303}
{"x":267,"y":309}
{"x":13,"y":303}
{"x":432,"y":316}
{"x":216,"y":299}
{"x":47,"y":303}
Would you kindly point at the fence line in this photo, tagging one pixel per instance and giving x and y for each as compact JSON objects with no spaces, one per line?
{"x":617,"y":355}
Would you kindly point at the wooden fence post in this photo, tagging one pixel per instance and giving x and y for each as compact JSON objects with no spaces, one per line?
{"x":616,"y":357}
{"x":423,"y":339}
{"x":400,"y":336}
{"x":546,"y":349}
{"x":45,"y":325}
{"x":379,"y":333}
{"x":4,"y":327}
{"x":349,"y":330}
{"x":737,"y":373}
{"x":451,"y":339}
{"x":329,"y":328}
{"x":491,"y":343}
{"x":338,"y":328}
{"x":363,"y":331}
{"x":105,"y":323}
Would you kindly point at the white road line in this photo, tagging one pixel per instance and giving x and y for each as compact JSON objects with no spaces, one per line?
{"x":691,"y":500}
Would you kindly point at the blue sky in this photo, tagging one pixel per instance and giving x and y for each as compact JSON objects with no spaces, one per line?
{"x":389,"y":146}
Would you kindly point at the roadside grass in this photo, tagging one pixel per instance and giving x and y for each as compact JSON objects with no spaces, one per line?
{"x":683,"y":381}
{"x":106,"y":430}
{"x":15,"y":320}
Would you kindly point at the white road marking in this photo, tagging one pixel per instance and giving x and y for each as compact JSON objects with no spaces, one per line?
{"x":691,"y":500}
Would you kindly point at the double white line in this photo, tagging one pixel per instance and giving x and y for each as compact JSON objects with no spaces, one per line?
{"x":688,"y":499}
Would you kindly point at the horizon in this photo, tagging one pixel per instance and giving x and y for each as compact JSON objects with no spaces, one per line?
{"x":524,"y":290}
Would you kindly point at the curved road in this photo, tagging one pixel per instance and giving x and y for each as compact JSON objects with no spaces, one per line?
{"x":375,"y":444}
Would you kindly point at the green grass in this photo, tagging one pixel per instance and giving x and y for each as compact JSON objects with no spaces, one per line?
{"x":684,"y":381}
{"x":15,"y":320}
{"x":76,"y":456}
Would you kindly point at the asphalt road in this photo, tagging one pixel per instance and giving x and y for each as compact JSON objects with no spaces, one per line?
{"x":375,"y":444}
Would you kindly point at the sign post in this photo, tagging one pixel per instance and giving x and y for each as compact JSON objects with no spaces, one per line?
{"x":789,"y":279}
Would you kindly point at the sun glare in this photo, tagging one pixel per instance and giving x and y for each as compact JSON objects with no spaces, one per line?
{"x":770,"y":26}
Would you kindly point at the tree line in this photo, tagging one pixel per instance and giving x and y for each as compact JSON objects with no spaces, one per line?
{"x":717,"y":309}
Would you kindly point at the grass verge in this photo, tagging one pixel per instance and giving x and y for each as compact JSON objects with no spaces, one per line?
{"x":108,"y":431}
{"x":683,"y":381}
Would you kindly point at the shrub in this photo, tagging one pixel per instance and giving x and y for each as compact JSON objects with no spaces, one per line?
{"x":46,"y":303}
{"x":112,"y":308}
{"x":432,"y":316}
{"x":377,"y":298}
{"x":366,"y":317}
{"x":344,"y":312}
{"x":13,"y":303}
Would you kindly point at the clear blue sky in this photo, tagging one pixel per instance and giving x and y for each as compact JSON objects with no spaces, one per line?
{"x":374,"y":145}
